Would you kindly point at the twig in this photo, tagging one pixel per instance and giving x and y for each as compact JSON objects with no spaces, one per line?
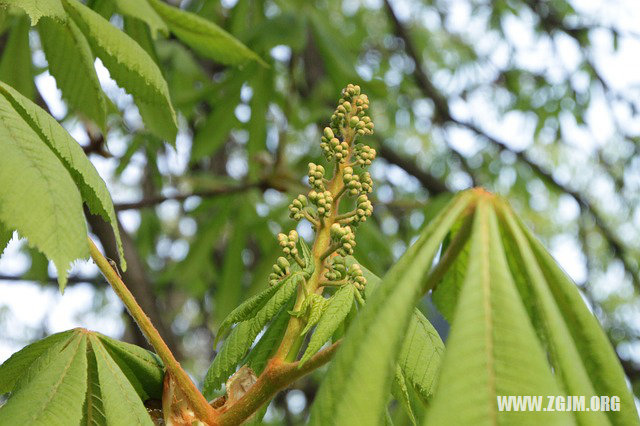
{"x":196,"y":400}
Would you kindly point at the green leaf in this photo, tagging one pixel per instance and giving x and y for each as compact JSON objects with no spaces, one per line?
{"x":36,"y":9}
{"x":598,"y":356}
{"x":422,"y":348}
{"x":245,"y":310}
{"x":205,"y":37}
{"x":71,"y":63}
{"x":92,"y":188}
{"x":14,"y":367}
{"x":492,"y":349}
{"x":334,"y":314}
{"x":140,"y":9}
{"x":131,"y":67}
{"x":421,"y":355}
{"x":144,"y":369}
{"x":15,"y":67}
{"x":50,"y":213}
{"x":93,"y":409}
{"x":445,"y":294}
{"x":243,"y":335}
{"x":121,"y":403}
{"x":401,"y":393}
{"x":366,"y":358}
{"x":54,"y":395}
{"x":5,"y":236}
{"x":268,"y":343}
{"x":583,"y":358}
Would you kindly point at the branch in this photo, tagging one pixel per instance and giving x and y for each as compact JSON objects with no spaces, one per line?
{"x":434,"y":185}
{"x":278,"y":375}
{"x":443,"y":114}
{"x":52,"y":280}
{"x":152,"y":201}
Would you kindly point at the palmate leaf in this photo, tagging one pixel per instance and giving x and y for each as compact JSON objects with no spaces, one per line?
{"x":131,"y":67}
{"x":581,"y":354}
{"x":49,"y":214}
{"x":73,"y":378}
{"x":205,"y":37}
{"x":356,"y":387}
{"x":492,"y":349}
{"x":5,"y":236}
{"x":71,"y":63}
{"x":243,"y":335}
{"x":69,"y":153}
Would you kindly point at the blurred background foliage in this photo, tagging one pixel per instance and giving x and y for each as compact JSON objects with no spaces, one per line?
{"x":534,"y":100}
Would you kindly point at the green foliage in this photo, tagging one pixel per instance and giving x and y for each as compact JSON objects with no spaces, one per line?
{"x":131,"y":67}
{"x":334,"y":314}
{"x":37,"y":9}
{"x":56,"y":169}
{"x":15,"y":65}
{"x":373,"y":341}
{"x":77,"y":376}
{"x":204,"y":36}
{"x":241,"y":338}
{"x":71,"y":63}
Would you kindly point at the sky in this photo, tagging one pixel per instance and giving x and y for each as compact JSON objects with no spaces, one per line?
{"x":26,"y":306}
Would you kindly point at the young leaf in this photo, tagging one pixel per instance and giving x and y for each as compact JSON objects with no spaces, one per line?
{"x":445,"y":295}
{"x":55,"y":394}
{"x":243,"y":335}
{"x":205,"y":37}
{"x":335,"y":312}
{"x":144,"y":370}
{"x":36,"y":9}
{"x":245,"y":310}
{"x":492,"y":349}
{"x":14,"y":367}
{"x":400,"y":391}
{"x":131,"y":67}
{"x":16,"y":68}
{"x":422,"y":348}
{"x":582,"y":356}
{"x":365,"y":359}
{"x":229,"y":289}
{"x":268,"y":343}
{"x":50,"y":213}
{"x":93,"y":409}
{"x":92,"y":188}
{"x":121,"y":403}
{"x":71,"y":63}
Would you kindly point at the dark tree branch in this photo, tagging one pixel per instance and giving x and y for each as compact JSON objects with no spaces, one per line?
{"x":96,"y":281}
{"x":443,"y":115}
{"x":152,"y":201}
{"x":434,"y":185}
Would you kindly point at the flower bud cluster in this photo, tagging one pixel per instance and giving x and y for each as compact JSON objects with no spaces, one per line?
{"x":364,"y":208}
{"x":357,"y":184}
{"x":356,"y":277}
{"x":316,"y":176}
{"x":322,"y":200}
{"x":289,"y":243}
{"x":332,"y":146}
{"x":337,"y":270}
{"x":345,"y":237}
{"x":296,"y":207}
{"x":364,"y":155}
{"x":280,"y":270}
